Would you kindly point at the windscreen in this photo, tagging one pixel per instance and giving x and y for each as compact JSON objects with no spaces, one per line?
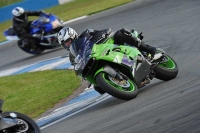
{"x":81,"y":49}
{"x":39,"y":22}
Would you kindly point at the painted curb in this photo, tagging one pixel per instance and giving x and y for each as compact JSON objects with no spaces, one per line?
{"x":4,"y":42}
{"x":49,"y":64}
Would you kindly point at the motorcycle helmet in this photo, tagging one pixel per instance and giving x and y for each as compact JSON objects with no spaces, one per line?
{"x":19,"y":14}
{"x":66,"y":36}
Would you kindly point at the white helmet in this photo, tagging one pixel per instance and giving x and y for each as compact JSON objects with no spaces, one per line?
{"x":65,"y":35}
{"x":19,"y":14}
{"x":17,"y":11}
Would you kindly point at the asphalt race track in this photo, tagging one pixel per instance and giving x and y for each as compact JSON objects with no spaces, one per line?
{"x":161,"y":107}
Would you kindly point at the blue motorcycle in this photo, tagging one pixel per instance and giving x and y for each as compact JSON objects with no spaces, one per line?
{"x":45,"y":28}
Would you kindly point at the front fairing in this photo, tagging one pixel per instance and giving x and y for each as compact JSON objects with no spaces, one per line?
{"x":124,"y":56}
{"x":7,"y":123}
{"x":45,"y":22}
{"x":81,"y":49}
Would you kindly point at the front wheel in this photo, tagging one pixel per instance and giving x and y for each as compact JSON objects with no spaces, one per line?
{"x":125,"y":89}
{"x":167,"y":70}
{"x":98,"y":89}
{"x":26,"y":124}
{"x":24,"y":46}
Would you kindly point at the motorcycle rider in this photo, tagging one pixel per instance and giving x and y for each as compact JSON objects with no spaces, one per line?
{"x":67,"y":35}
{"x":21,"y":25}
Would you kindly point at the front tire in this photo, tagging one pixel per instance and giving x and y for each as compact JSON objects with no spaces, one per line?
{"x":28,"y":49}
{"x":99,"y":90}
{"x":25,"y":121}
{"x":166,"y":71}
{"x":127,"y":92}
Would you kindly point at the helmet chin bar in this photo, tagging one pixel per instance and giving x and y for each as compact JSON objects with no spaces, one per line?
{"x":21,"y":18}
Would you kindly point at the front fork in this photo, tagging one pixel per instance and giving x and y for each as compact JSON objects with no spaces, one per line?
{"x":8,"y":122}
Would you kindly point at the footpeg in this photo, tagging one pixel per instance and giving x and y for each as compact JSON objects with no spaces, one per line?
{"x":146,"y":81}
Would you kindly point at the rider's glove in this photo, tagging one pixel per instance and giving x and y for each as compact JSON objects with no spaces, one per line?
{"x":140,"y":36}
{"x":138,"y":41}
{"x":77,"y":59}
{"x":48,"y":14}
{"x":43,"y":12}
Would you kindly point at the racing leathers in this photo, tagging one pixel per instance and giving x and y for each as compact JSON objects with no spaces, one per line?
{"x":21,"y":27}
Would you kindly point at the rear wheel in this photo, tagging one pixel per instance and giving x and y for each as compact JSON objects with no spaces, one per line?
{"x":125,"y":89}
{"x":167,"y":70}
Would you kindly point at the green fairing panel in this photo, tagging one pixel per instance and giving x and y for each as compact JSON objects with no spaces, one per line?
{"x":91,"y":79}
{"x":112,"y":52}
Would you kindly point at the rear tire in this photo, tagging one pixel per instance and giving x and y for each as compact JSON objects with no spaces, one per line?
{"x":115,"y":90}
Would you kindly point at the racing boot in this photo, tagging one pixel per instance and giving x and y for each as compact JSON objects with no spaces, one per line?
{"x":34,"y":44}
{"x":151,"y":50}
{"x":147,"y":48}
{"x":124,"y":36}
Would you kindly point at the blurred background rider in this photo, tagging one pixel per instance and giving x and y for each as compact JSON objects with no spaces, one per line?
{"x":21,"y":25}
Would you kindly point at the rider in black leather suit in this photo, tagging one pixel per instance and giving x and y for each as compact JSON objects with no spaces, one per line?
{"x":21,"y":24}
{"x":67,"y":35}
{"x":120,"y":37}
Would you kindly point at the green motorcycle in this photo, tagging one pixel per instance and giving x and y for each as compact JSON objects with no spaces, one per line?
{"x":119,"y":70}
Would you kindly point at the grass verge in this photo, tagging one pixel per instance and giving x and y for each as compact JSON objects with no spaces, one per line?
{"x":35,"y":92}
{"x":8,"y":2}
{"x":74,"y":9}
